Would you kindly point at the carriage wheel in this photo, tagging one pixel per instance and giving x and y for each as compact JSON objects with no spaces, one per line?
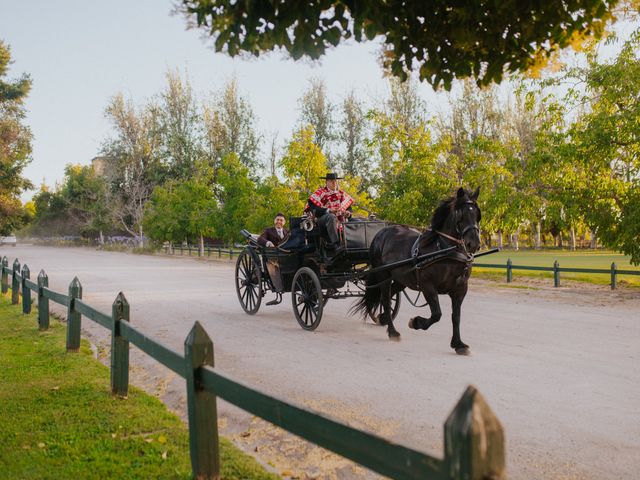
{"x":306,"y":297}
{"x":395,"y":308}
{"x":248,"y":283}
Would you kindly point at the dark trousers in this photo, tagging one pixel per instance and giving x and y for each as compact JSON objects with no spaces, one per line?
{"x":329,"y":222}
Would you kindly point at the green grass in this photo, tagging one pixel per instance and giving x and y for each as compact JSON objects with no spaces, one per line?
{"x":59,"y":420}
{"x":599,"y":259}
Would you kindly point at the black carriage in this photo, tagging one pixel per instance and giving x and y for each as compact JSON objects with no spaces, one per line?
{"x":313,"y":273}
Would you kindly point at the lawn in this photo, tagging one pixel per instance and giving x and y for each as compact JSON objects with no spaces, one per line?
{"x":599,"y":259}
{"x":58,"y":418}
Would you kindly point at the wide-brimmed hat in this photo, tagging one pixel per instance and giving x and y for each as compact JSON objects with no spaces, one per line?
{"x":331,"y":176}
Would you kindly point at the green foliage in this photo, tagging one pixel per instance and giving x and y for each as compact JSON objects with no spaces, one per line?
{"x":229,"y":127}
{"x":273,"y":197}
{"x":442,"y":40}
{"x":77,"y":207}
{"x":179,"y":122}
{"x":182,"y":210}
{"x":303,"y":163}
{"x":413,"y":176}
{"x":59,"y":419}
{"x":236,"y":196}
{"x":15,"y":146}
{"x":595,"y":166}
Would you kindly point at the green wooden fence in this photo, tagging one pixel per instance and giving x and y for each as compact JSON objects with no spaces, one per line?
{"x":473,"y":436}
{"x":190,"y":250}
{"x":614,"y":271}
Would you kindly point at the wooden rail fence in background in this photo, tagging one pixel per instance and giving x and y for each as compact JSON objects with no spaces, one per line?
{"x":556,"y":269}
{"x":473,"y":437}
{"x":190,"y":250}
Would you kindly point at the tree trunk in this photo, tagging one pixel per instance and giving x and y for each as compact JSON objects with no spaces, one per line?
{"x":514,"y":240}
{"x":572,"y":238}
{"x":500,"y":239}
{"x":201,"y":253}
{"x":594,"y":239}
{"x":141,"y":239}
{"x":559,"y":242}
{"x":101,"y":238}
{"x":170,"y":248}
{"x":537,"y":236}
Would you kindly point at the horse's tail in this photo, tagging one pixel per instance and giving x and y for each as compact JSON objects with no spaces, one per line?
{"x":371,"y":299}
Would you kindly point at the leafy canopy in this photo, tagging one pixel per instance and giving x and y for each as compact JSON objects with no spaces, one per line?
{"x":443,"y":40}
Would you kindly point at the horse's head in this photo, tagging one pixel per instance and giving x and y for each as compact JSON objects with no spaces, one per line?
{"x":466,"y":218}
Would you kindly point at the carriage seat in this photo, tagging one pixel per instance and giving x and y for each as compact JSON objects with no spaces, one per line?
{"x":358,"y":235}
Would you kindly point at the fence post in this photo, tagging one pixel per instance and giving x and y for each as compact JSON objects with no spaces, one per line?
{"x":5,"y":275}
{"x":473,"y":440}
{"x":43,"y":302}
{"x":614,"y":276}
{"x":556,"y":274}
{"x":201,"y":406}
{"x":15,"y":285}
{"x":509,"y":271}
{"x":219,"y":252}
{"x":119,"y":348}
{"x":26,"y":291}
{"x":73,"y":317}
{"x":230,"y":254}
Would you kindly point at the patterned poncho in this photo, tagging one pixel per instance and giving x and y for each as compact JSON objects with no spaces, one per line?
{"x":325,"y":198}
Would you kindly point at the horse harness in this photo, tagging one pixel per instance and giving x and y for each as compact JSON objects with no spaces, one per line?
{"x":459,"y":256}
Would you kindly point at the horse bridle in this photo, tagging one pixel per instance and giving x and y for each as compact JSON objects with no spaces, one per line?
{"x":460,"y":240}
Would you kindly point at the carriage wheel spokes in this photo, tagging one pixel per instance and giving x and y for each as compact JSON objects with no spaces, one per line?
{"x":395,"y":308}
{"x":307,"y":298}
{"x":248,"y":283}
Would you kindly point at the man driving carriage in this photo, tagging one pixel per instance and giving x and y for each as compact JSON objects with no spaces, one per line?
{"x":331,"y":206}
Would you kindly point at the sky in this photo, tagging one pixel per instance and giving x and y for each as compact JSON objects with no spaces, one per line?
{"x":80,"y":53}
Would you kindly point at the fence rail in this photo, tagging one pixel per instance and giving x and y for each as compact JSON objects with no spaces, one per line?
{"x":614,"y":271}
{"x":474,"y":439}
{"x":218,"y":251}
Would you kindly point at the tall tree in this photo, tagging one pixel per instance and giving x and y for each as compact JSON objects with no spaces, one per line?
{"x":317,"y":110}
{"x":179,"y":122}
{"x":15,"y":145}
{"x":133,"y":164}
{"x":352,"y":136}
{"x":415,"y":174}
{"x":229,"y":126}
{"x":605,"y":143}
{"x":443,"y":40}
{"x":303,"y":162}
{"x":237,"y":197}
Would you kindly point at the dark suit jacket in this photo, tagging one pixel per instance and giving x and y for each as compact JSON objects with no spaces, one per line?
{"x":271,"y":234}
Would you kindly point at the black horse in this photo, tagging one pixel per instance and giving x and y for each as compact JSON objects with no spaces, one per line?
{"x":454,"y":223}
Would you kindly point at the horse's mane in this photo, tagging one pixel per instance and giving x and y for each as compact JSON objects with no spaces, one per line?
{"x":440,"y":218}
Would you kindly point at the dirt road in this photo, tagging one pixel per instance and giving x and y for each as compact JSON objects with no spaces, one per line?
{"x":560,"y":367}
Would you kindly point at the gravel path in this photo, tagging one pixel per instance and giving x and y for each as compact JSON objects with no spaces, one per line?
{"x":558,"y":366}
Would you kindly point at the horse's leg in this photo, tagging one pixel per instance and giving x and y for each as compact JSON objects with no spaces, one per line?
{"x":386,"y":317}
{"x":457,"y":344}
{"x":421,"y":323}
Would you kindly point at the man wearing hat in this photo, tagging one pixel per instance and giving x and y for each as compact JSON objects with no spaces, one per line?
{"x":330,"y":206}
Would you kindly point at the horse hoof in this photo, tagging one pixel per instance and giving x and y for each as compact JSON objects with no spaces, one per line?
{"x":411,"y":325}
{"x":463,"y":351}
{"x":394,"y":336}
